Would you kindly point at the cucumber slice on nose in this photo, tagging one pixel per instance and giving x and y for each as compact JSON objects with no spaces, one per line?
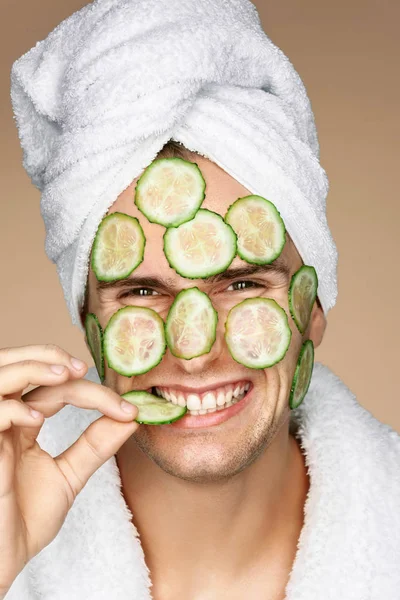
{"x":191,"y":325}
{"x":302,"y":294}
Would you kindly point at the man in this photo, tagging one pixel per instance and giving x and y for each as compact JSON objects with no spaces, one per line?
{"x":266,"y":503}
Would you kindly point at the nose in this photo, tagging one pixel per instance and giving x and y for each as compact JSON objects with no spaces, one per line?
{"x":195,"y":366}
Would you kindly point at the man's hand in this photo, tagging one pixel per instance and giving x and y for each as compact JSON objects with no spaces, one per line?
{"x":36,"y":490}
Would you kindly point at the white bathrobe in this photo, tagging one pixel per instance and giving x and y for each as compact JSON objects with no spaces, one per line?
{"x":348,"y":549}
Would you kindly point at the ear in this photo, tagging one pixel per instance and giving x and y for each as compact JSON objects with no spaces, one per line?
{"x":317,"y":325}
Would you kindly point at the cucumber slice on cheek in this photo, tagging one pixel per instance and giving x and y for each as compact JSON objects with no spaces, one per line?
{"x":257,"y":333}
{"x":170,"y":191}
{"x":94,"y":336}
{"x":302,"y":294}
{"x":191,"y":325}
{"x":134,"y":340}
{"x":118,"y":247}
{"x":302,"y":375}
{"x":259,"y":228}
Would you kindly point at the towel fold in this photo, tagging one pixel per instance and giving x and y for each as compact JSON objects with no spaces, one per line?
{"x":97,"y":99}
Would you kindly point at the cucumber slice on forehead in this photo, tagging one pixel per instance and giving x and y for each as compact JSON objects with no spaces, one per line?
{"x":259,"y":228}
{"x":302,"y":293}
{"x":302,"y":375}
{"x":257,"y":332}
{"x":170,"y":191}
{"x":202,"y":247}
{"x":118,"y":247}
{"x":134,"y":340}
{"x":94,"y":336}
{"x":191,"y":325}
{"x":154,"y":410}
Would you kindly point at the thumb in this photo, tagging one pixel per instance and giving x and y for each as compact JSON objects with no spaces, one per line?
{"x":95,"y":446}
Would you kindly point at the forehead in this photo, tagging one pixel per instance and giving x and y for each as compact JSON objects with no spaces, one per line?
{"x":221,"y":191}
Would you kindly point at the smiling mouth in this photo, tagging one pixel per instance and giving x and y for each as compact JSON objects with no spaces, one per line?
{"x":207,"y":402}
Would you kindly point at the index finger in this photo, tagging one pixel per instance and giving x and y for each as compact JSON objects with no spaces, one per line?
{"x":81,"y":393}
{"x":47,"y":353}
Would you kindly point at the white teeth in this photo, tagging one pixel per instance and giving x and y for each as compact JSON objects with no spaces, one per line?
{"x":209,"y":401}
{"x":193,"y":402}
{"x":236,"y":391}
{"x":181,"y":400}
{"x":220,"y":399}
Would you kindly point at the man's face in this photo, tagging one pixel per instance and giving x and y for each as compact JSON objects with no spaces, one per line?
{"x":212,"y":453}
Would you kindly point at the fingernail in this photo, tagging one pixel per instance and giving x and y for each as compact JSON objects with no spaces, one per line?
{"x":35,"y":413}
{"x":127,"y":407}
{"x":77,"y":364}
{"x":57,"y":369}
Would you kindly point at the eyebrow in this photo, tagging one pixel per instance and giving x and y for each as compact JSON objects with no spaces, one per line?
{"x":279,"y":266}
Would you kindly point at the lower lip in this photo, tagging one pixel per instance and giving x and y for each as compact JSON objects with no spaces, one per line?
{"x":210,"y":419}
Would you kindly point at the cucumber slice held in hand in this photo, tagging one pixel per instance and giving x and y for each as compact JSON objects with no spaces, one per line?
{"x":94,"y":336}
{"x":257,"y":332}
{"x":259,"y":228}
{"x":302,"y":374}
{"x":191,"y":325}
{"x":154,"y":410}
{"x":202,"y":247}
{"x":302,"y":293}
{"x":118,"y":247}
{"x":134,"y":340}
{"x":170,"y":191}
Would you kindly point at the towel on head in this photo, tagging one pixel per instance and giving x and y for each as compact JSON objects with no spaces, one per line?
{"x":97,"y":99}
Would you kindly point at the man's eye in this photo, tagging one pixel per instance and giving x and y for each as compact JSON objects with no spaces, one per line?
{"x":140,"y":292}
{"x":242,"y":285}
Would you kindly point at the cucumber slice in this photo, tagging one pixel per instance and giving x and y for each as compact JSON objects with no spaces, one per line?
{"x":259,"y":228}
{"x":191,"y":325}
{"x":134,"y":340}
{"x":302,"y":374}
{"x":94,"y":336}
{"x":170,"y":191}
{"x":202,"y":247}
{"x":257,"y":332}
{"x":302,"y":293}
{"x":118,"y":247}
{"x":154,"y":410}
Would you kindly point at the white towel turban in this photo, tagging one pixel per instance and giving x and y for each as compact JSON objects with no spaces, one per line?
{"x":97,"y":99}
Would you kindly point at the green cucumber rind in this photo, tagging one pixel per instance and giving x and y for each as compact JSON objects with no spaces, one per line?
{"x":189,"y":216}
{"x":169,"y":232}
{"x":96,"y":242}
{"x":169,"y":317}
{"x":100,"y":368}
{"x":139,"y":419}
{"x":309,"y":347}
{"x":311,"y":270}
{"x":289,"y":331}
{"x":110,"y":362}
{"x":242,"y":254}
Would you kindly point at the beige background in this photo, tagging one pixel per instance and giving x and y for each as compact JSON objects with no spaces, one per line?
{"x":347,"y":54}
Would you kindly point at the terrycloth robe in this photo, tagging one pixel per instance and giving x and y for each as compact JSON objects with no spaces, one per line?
{"x":349,"y":546}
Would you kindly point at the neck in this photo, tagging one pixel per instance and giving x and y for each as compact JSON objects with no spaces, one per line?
{"x":223,"y":528}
